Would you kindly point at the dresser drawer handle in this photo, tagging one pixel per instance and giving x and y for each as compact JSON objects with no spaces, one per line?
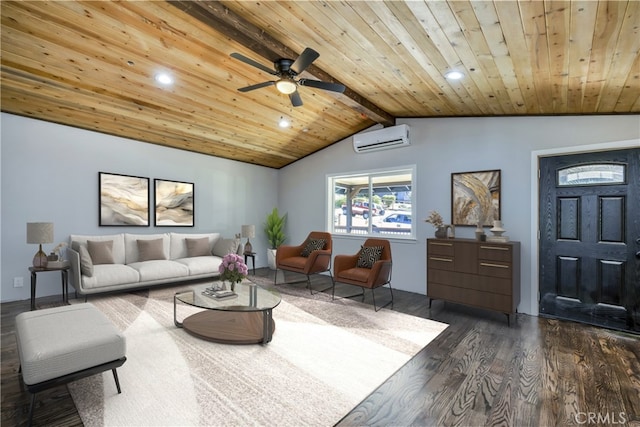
{"x":440,"y":244}
{"x":486,"y":264}
{"x":441,"y":259}
{"x":495,"y":248}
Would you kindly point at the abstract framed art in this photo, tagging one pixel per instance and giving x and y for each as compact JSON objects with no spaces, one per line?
{"x":475,"y":197}
{"x":124,"y":200}
{"x":174,"y":203}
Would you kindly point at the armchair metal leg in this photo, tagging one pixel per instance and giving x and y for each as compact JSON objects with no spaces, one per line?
{"x":333,"y":285}
{"x":373,"y":294}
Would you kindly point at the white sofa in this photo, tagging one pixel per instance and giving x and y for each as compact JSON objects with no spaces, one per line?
{"x":124,"y":261}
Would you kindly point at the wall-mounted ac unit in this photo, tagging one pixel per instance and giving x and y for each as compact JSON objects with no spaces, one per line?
{"x":382,"y":139}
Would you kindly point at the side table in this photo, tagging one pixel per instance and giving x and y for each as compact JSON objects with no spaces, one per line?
{"x":251,"y":255}
{"x":64,"y":271}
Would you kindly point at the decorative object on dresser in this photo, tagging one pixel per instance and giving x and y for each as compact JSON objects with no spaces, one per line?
{"x":248,"y":231}
{"x":480,"y":274}
{"x":475,"y":197}
{"x":174,"y":203}
{"x":124,"y":200}
{"x":40,"y":232}
{"x":498,"y":233}
{"x":442,"y":229}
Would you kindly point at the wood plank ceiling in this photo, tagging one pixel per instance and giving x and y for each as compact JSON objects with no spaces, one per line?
{"x":92,"y":65}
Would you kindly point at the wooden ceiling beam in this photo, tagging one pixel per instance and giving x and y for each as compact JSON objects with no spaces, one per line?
{"x":219,"y":17}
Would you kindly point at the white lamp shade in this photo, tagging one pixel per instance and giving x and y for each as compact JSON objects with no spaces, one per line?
{"x":40,"y":232}
{"x":249,"y":231}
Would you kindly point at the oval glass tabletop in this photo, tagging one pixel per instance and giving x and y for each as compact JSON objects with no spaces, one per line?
{"x":248,"y":297}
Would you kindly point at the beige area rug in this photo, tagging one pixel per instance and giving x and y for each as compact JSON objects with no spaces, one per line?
{"x":325,"y":358}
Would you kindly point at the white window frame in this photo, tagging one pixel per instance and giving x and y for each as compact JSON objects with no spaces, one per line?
{"x":368,"y":178}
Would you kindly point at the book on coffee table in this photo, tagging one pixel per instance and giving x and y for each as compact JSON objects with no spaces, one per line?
{"x":220,"y":294}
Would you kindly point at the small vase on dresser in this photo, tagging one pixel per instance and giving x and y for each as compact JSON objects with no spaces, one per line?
{"x":498,"y":232}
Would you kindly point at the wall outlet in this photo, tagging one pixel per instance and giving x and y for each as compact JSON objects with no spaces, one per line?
{"x":18,"y":282}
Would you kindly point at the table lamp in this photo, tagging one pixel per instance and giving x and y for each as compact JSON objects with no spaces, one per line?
{"x":40,"y":232}
{"x":248,"y":231}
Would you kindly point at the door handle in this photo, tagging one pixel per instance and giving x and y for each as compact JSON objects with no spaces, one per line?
{"x":638,"y":254}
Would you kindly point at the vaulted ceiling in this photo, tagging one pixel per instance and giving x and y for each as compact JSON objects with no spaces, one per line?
{"x":92,"y":65}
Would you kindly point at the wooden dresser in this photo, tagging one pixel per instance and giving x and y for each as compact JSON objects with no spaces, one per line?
{"x":479,"y":274}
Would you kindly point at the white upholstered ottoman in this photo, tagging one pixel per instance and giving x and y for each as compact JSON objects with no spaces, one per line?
{"x":62,"y":344}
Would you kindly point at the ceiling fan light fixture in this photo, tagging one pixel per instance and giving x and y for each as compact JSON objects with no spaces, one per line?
{"x":286,"y":86}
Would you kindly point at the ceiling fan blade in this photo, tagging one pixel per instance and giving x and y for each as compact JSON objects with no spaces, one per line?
{"x":256,"y":86}
{"x":296,"y":101}
{"x":334,"y":87}
{"x":252,"y":62}
{"x":304,"y":60}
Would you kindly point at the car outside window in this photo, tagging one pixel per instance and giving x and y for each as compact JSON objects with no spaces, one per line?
{"x":375,"y":203}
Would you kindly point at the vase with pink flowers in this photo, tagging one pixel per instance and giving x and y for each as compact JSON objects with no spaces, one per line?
{"x":233,"y":269}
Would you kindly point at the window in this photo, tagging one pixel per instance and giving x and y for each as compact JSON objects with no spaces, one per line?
{"x":374,"y":203}
{"x":593,"y":174}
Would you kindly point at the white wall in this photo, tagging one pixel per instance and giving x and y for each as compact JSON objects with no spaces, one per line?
{"x":440,"y":147}
{"x":49,"y":172}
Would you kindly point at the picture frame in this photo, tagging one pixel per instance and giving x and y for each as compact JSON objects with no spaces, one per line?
{"x":174,"y":203}
{"x":123,"y":200}
{"x":475,"y":197}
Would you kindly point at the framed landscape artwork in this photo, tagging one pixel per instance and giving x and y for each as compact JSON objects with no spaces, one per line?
{"x":174,"y":203}
{"x":475,"y":197}
{"x":124,"y":200}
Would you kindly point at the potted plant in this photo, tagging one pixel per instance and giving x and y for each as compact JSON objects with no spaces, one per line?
{"x":274,"y":227}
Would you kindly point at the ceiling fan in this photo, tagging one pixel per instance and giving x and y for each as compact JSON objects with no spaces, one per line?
{"x":287,"y":70}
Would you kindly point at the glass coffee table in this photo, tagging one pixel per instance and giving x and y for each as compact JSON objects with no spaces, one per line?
{"x":244,"y":319}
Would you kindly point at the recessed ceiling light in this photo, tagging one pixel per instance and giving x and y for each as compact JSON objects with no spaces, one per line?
{"x":284,"y":122}
{"x":164,"y":78}
{"x":454,"y":75}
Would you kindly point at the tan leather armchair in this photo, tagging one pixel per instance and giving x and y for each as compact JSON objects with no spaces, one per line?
{"x":305,"y":258}
{"x":346,"y":269}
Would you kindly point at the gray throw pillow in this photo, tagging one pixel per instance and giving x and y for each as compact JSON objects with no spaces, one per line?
{"x":225,"y":246}
{"x":86,"y":264}
{"x":150,"y":249}
{"x":197,"y":247}
{"x":368,"y":256}
{"x":101,"y":252}
{"x":312,"y":245}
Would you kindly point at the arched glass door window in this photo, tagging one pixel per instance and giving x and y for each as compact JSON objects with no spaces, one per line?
{"x":592,"y":174}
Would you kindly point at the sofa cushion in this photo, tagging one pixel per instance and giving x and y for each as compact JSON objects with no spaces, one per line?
{"x":117,"y":249}
{"x":198,"y":247}
{"x":159,"y":269}
{"x":105,"y":275}
{"x":225,"y":246}
{"x":355,"y":274}
{"x":294,"y":262}
{"x":368,"y":256}
{"x":101,"y":251}
{"x":86,"y":264}
{"x":201,"y":264}
{"x":150,"y":249}
{"x":178,"y":244}
{"x":131,"y":245}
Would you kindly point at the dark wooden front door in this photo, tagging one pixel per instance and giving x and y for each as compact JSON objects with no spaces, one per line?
{"x":590,"y":238}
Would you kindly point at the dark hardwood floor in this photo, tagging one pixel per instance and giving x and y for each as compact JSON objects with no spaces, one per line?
{"x":478,"y":372}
